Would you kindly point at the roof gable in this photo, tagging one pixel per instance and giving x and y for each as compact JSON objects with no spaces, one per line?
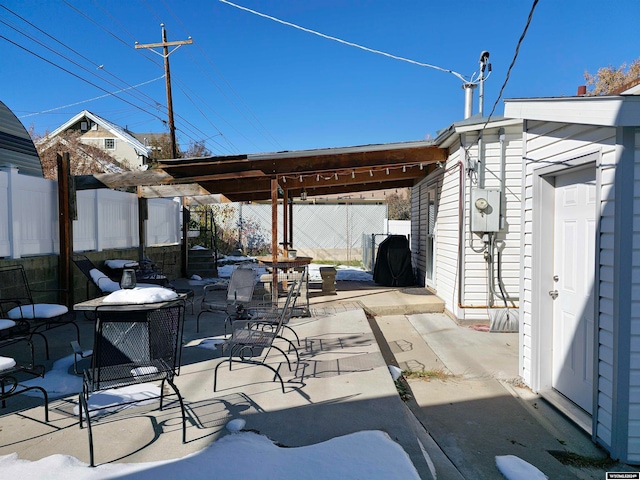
{"x":112,"y":128}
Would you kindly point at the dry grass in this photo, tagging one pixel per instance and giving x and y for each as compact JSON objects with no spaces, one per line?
{"x":427,"y":375}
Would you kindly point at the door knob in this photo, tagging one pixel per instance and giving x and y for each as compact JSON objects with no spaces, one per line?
{"x":553,"y":294}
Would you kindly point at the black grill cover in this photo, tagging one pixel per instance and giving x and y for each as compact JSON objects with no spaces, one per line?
{"x":393,"y":263}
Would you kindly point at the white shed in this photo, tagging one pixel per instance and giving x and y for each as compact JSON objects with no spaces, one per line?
{"x":467,"y":252}
{"x":580,"y":261}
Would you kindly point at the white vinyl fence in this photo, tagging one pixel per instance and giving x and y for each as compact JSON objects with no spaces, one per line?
{"x":106,"y":219}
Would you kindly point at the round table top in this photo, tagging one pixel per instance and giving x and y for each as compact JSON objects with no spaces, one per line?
{"x":284,"y":261}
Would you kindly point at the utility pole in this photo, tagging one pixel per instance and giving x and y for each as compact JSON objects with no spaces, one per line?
{"x":165,"y":54}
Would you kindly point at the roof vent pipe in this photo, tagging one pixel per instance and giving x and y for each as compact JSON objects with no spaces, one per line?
{"x":468,"y":99}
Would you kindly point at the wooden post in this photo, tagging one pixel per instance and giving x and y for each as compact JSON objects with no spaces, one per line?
{"x":184,"y":249}
{"x":65,"y":228}
{"x":142,"y":225}
{"x":291,"y":223}
{"x":274,"y":239}
{"x":285,"y":221}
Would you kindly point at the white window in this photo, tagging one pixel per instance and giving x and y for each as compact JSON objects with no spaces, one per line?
{"x":110,"y":143}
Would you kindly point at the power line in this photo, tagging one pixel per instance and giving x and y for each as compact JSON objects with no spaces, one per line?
{"x":351,"y":44}
{"x":264,"y":132}
{"x":513,"y":62}
{"x":99,"y":67}
{"x":76,"y":75}
{"x":92,"y":99}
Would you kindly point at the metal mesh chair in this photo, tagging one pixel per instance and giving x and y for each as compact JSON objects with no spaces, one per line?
{"x":239,"y":293}
{"x":17,"y":305}
{"x":10,"y":369}
{"x":132,"y":345}
{"x":248,"y":344}
{"x":267,"y":316}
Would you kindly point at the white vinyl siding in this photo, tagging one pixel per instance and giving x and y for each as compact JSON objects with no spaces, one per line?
{"x":476,"y":281}
{"x":418,"y":230}
{"x":447,"y":236}
{"x":546,"y":144}
{"x":634,"y":373}
{"x":473,"y":271}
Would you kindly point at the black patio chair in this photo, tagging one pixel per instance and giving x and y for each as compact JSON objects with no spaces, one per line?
{"x":11,"y":369}
{"x":267,"y":316}
{"x":239,"y":293}
{"x":248,"y":344}
{"x":133,"y":344}
{"x":17,"y":305}
{"x":105,"y":284}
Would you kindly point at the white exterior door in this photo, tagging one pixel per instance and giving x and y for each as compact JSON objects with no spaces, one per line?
{"x":572,"y":286}
{"x":430,"y":235}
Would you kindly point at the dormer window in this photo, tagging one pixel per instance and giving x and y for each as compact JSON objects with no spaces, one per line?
{"x":110,"y":143}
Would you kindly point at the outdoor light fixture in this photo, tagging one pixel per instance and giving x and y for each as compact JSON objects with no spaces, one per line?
{"x":353,"y":174}
{"x":303,"y":195}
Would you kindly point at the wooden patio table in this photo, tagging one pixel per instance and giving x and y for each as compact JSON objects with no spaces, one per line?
{"x":285,"y":264}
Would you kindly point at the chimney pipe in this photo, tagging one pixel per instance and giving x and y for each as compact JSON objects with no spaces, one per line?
{"x":468,"y":99}
{"x":582,"y":90}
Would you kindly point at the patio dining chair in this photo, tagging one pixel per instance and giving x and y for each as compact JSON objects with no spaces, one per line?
{"x":267,"y":316}
{"x":248,"y":344}
{"x":104,"y":284}
{"x":17,"y":305}
{"x":239,"y":293}
{"x":133,"y":344}
{"x":11,"y":369}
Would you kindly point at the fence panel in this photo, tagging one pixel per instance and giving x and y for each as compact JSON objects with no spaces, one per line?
{"x":106,"y":218}
{"x":163,"y":225}
{"x":5,"y":240}
{"x":326,"y":232}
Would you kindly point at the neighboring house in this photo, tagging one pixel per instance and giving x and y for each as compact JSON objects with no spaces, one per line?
{"x":16,"y":147}
{"x":122,"y":145}
{"x":580,"y":290}
{"x":464,"y":250}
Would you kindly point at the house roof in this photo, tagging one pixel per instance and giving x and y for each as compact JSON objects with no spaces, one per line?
{"x":601,"y":110}
{"x":319,"y":172}
{"x":16,"y":147}
{"x":475,"y":123}
{"x":114,"y":129}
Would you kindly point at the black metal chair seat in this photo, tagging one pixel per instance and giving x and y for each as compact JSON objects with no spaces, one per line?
{"x":11,"y":369}
{"x":248,"y":344}
{"x":17,"y":304}
{"x":139,"y":344}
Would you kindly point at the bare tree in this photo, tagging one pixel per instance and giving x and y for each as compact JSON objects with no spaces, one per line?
{"x":197,"y":149}
{"x":84,"y":159}
{"x":610,"y":79}
{"x":400,"y":205}
{"x":161,"y":148}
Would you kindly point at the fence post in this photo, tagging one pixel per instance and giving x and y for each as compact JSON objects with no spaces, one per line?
{"x":373,"y":251}
{"x":13,"y":222}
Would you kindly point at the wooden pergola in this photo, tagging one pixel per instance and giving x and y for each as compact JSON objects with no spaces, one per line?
{"x":281,"y":176}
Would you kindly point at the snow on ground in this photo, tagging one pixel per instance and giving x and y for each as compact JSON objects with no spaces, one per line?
{"x":343,"y":272}
{"x":368,"y":454}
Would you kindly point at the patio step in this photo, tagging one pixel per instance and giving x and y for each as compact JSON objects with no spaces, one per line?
{"x":201,"y":263}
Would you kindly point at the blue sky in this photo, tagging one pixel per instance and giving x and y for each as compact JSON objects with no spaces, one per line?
{"x":250,"y":84}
